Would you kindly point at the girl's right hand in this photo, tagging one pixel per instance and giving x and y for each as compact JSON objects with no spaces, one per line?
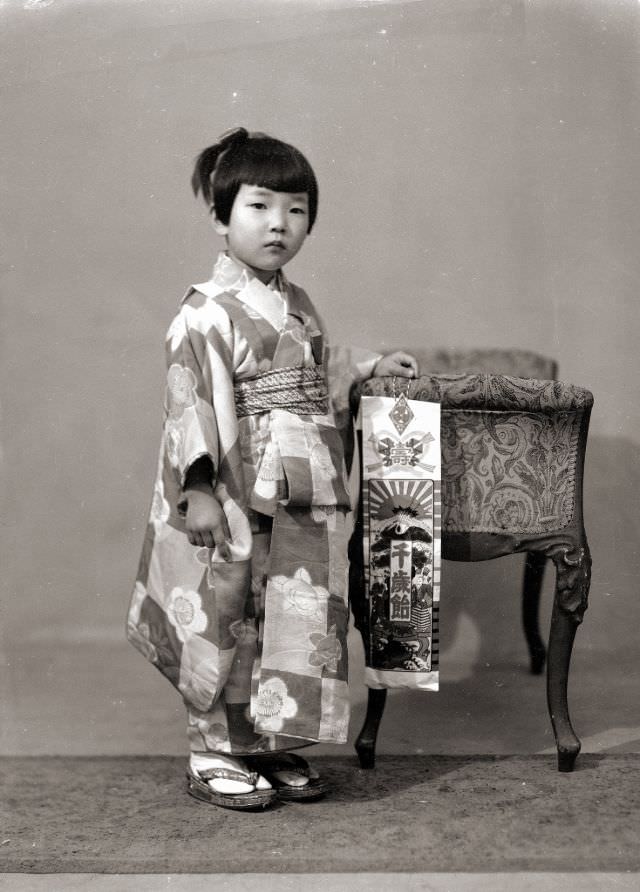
{"x":206,"y":523}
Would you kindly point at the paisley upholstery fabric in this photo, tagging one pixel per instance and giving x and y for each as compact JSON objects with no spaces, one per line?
{"x":508,"y":472}
{"x":509,"y":448}
{"x":485,"y":391}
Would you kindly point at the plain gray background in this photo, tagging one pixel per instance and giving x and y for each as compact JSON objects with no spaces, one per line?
{"x":478,"y":169}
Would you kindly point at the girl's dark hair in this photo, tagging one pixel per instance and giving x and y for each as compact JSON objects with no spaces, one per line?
{"x":257,"y":160}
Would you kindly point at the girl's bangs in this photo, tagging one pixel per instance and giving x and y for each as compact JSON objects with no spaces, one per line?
{"x":278,"y":171}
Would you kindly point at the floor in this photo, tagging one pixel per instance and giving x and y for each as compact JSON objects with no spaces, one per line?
{"x":90,"y":694}
{"x":398,"y":882}
{"x":413,"y":814}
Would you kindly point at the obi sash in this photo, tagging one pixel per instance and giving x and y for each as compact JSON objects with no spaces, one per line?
{"x":300,"y":390}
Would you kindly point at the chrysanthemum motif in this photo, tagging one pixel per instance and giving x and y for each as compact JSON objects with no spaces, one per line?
{"x":181,"y":390}
{"x":328,"y":650}
{"x":185,"y":613}
{"x":274,"y":705}
{"x":300,"y":595}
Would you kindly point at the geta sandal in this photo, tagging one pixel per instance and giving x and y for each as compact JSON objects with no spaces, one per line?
{"x":198,"y":787}
{"x":270,"y":765}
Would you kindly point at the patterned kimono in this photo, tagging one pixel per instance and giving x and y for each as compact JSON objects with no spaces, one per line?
{"x":256,"y":645}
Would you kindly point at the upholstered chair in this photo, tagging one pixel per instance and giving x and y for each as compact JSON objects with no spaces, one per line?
{"x":521,"y":364}
{"x":513,"y":453}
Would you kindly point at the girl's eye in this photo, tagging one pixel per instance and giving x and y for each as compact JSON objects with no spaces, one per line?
{"x":260,"y":205}
{"x":298,"y":211}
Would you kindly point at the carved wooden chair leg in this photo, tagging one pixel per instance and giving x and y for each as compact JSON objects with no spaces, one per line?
{"x":573,"y":568}
{"x":563,"y":630}
{"x":533,"y":575}
{"x":366,"y":743}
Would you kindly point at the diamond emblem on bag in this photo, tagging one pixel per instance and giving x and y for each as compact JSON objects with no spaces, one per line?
{"x":401,"y":414}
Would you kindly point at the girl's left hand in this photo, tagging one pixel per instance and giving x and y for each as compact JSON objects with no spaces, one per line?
{"x":400,"y":364}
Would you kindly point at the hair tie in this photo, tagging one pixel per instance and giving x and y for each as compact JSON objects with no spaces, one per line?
{"x":232,"y":139}
{"x":207,"y":161}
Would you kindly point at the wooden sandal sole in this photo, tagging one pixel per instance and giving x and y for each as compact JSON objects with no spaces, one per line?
{"x":268,"y":767}
{"x":258,"y":799}
{"x":312,"y":790}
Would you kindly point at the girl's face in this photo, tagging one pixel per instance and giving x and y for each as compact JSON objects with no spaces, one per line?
{"x":266,"y":229}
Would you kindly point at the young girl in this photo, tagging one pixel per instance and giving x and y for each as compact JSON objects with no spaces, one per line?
{"x":241,"y":596}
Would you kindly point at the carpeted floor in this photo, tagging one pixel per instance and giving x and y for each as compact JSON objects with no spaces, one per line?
{"x":435,"y":813}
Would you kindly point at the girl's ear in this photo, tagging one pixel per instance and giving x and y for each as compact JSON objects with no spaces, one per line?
{"x":220,"y":228}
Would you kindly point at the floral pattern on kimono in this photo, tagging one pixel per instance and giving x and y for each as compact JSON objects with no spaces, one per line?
{"x":256,"y":645}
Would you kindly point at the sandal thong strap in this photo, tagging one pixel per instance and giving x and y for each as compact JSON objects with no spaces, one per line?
{"x":245,"y":777}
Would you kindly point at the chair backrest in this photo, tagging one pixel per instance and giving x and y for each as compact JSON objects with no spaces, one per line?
{"x":521,"y":363}
{"x":512,"y":449}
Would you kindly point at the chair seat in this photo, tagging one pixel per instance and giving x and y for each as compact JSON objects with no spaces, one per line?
{"x":509,"y":448}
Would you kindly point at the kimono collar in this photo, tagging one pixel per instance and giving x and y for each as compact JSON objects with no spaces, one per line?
{"x":272,"y":301}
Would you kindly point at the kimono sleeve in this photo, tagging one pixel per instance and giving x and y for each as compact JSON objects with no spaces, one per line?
{"x":344,"y":365}
{"x":191,"y":426}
